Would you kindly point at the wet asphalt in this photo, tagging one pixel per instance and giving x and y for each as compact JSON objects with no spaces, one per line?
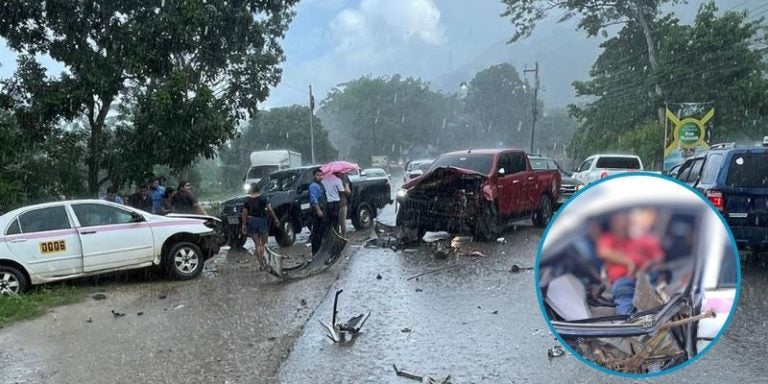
{"x":476,"y":321}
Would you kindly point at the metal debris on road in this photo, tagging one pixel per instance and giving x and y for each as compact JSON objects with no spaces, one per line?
{"x":433,"y":271}
{"x":446,"y":380}
{"x":555,"y":351}
{"x":495,"y":312}
{"x":501,"y":240}
{"x":407,"y":375}
{"x":117,"y":314}
{"x":180,"y":306}
{"x":336,"y":331}
{"x":516,"y":268}
{"x":431,"y":237}
{"x":378,"y":276}
{"x":99,"y":296}
{"x":405,"y":330}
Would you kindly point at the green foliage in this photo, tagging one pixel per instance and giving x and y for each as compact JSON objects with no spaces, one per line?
{"x":38,"y":302}
{"x":693,"y":67}
{"x":205,"y":60}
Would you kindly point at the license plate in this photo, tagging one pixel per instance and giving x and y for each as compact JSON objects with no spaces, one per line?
{"x":233,"y":220}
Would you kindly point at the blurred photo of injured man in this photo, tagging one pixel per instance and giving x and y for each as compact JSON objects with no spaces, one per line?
{"x":630,"y":247}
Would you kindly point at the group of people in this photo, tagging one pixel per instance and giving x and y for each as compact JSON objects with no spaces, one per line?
{"x":627,"y":248}
{"x":155,"y":198}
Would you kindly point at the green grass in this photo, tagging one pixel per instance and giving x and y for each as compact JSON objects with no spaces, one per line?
{"x":37,"y":302}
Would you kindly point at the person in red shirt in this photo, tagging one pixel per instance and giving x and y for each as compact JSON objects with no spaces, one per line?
{"x":624,"y":255}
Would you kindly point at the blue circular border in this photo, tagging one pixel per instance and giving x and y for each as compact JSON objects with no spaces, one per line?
{"x":595,"y":365}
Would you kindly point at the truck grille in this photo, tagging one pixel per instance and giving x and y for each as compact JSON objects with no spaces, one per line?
{"x":567,"y":189}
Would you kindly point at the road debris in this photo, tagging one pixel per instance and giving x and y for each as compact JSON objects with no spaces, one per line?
{"x":161,"y":297}
{"x":501,"y":240}
{"x":90,"y":320}
{"x":180,"y":306}
{"x":419,"y":290}
{"x":446,"y":380}
{"x":378,"y":276}
{"x":405,"y":330}
{"x":516,"y":268}
{"x":495,"y":312}
{"x":140,"y":313}
{"x":475,"y":254}
{"x":433,"y":271}
{"x":117,"y":314}
{"x":407,"y":375}
{"x":336,"y":331}
{"x":303,"y":303}
{"x":431,"y":237}
{"x":555,"y":351}
{"x":99,"y":296}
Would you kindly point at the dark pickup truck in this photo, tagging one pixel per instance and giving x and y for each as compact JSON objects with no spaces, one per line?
{"x":477,"y":192}
{"x":288,"y":193}
{"x":735,"y":180}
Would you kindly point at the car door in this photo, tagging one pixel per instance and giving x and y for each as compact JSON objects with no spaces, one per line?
{"x":44,"y":239}
{"x":511,"y":184}
{"x":111,"y":237}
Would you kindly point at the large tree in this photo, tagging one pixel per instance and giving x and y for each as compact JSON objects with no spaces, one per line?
{"x":226,"y":51}
{"x":500,"y":105}
{"x":693,"y":67}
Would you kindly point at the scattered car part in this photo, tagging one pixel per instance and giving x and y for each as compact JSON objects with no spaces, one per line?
{"x":332,"y":247}
{"x":407,"y":375}
{"x":336,"y":331}
{"x":555,"y":351}
{"x":567,"y":296}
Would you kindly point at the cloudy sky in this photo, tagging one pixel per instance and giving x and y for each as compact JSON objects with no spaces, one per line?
{"x":442,"y":41}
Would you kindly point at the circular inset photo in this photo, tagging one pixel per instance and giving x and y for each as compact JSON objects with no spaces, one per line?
{"x":637,"y":275}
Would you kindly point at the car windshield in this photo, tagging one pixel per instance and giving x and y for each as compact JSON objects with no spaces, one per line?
{"x":261,"y":171}
{"x":477,"y":162}
{"x":616,"y":162}
{"x":539,"y":164}
{"x":279,"y":182}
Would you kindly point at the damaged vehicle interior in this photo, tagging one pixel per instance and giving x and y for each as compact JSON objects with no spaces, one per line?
{"x":661,"y":331}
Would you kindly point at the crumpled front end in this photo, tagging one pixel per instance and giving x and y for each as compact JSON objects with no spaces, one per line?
{"x":447,"y":199}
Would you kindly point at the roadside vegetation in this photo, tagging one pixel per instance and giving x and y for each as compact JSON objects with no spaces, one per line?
{"x":38,"y":302}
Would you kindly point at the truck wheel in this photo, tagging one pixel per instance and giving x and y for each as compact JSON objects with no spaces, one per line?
{"x":363,"y":218}
{"x":544,"y":214}
{"x":488,"y":225}
{"x":12,"y":281}
{"x":184,"y":261}
{"x":286,"y":235}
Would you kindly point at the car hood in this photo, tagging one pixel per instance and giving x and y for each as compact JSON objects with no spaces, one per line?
{"x":566,"y":180}
{"x":439,"y":173}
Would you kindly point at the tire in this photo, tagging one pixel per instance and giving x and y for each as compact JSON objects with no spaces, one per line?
{"x":286,"y":234}
{"x":363,"y":217}
{"x":235,"y":239}
{"x":544,"y":214}
{"x":488,"y":226}
{"x":12,"y":281}
{"x":184,"y":261}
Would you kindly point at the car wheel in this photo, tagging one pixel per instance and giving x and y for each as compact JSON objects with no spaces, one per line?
{"x":286,"y":235}
{"x":544,"y":214}
{"x":184,"y":261}
{"x":12,"y":281}
{"x":363,"y":218}
{"x":488,"y":225}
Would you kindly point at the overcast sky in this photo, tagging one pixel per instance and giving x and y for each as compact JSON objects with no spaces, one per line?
{"x":442,"y":41}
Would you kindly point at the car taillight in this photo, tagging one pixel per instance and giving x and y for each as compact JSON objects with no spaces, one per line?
{"x":716,"y":198}
{"x":604,"y":174}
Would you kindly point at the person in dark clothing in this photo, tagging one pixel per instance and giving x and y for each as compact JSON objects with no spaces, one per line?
{"x":255,"y":225}
{"x":166,"y":206}
{"x":113,"y":196}
{"x":319,"y":204}
{"x":186,"y":202}
{"x":141,"y":199}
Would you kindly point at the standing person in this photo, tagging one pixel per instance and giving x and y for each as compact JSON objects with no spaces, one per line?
{"x":623,"y":257}
{"x":166,"y":206}
{"x":319,"y":204}
{"x":140,"y":199}
{"x":255,"y":210}
{"x":113,"y":196}
{"x":157,"y":193}
{"x":333,"y":189}
{"x":344,"y":204}
{"x":184,"y":201}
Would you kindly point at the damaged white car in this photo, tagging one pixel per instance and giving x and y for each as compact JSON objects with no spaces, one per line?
{"x":693,"y":293}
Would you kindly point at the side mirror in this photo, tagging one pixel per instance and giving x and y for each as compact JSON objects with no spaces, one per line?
{"x":137,"y":218}
{"x":502,"y":171}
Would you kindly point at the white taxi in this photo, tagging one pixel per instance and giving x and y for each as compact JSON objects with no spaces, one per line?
{"x":69,"y":239}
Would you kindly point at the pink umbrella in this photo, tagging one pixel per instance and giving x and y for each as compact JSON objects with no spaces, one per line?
{"x":339,"y":167}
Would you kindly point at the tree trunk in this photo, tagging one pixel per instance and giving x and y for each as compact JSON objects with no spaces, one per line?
{"x":94,"y":149}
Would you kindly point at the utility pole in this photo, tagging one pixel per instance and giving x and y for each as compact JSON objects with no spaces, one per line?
{"x":311,"y":126}
{"x":535,"y":70}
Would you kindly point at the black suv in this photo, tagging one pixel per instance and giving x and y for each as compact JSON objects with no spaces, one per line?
{"x":735,"y":180}
{"x":288,"y":193}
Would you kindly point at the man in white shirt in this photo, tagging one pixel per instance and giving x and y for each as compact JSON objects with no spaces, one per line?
{"x":333,"y":188}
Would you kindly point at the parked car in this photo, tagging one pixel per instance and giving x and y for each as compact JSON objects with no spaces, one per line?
{"x":568,"y":185}
{"x":415,"y":169}
{"x":735,"y":180}
{"x":700,"y":265}
{"x":478,"y":192}
{"x":288,"y":193}
{"x":69,"y":239}
{"x":597,"y":167}
{"x":373,"y":173}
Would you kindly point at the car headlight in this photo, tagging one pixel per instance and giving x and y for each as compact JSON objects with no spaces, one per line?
{"x":401,"y":194}
{"x":579,"y":187}
{"x":246,"y":187}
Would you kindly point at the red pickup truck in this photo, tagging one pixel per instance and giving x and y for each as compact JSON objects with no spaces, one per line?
{"x":477,"y":192}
